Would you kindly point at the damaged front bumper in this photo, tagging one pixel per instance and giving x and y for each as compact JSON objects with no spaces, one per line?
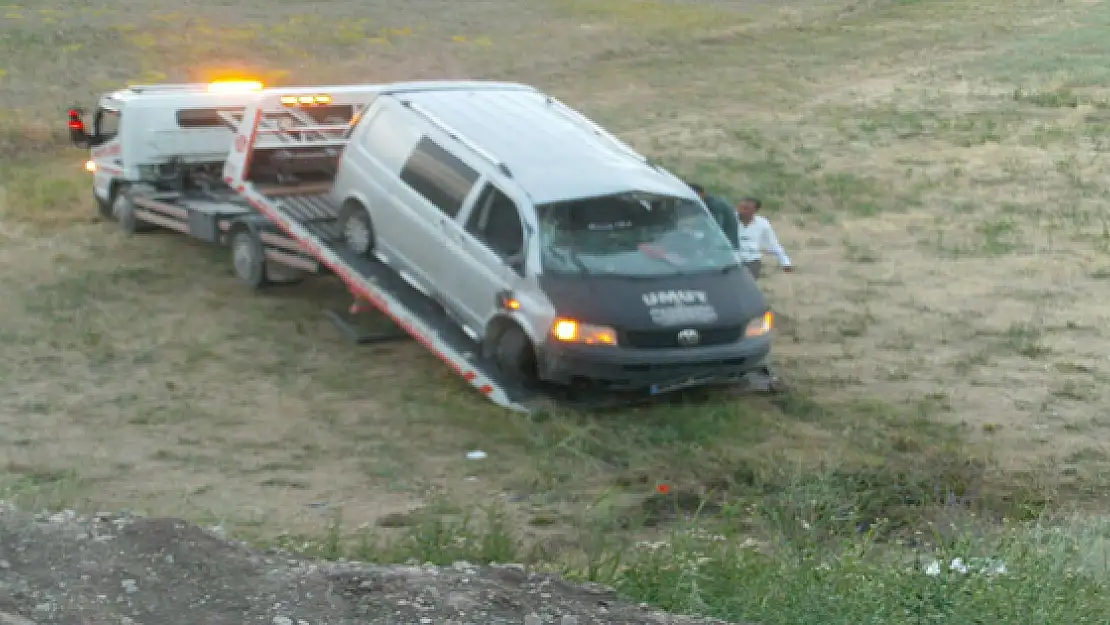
{"x":653,"y":371}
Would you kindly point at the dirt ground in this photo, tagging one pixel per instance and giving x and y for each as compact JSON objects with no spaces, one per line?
{"x":934,"y":169}
{"x":66,"y":569}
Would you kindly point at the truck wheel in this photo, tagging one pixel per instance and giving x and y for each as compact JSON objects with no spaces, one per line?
{"x":104,"y":207}
{"x":356,"y":229}
{"x":123,"y":210}
{"x":514,"y":356}
{"x":248,"y":258}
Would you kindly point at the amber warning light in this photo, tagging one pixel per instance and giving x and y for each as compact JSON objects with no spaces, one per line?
{"x":234,"y":86}
{"x":305,"y":100}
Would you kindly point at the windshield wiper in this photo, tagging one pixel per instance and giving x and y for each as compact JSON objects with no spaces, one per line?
{"x":679,"y":270}
{"x":569,"y":255}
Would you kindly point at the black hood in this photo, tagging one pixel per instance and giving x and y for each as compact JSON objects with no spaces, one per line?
{"x":710,"y":299}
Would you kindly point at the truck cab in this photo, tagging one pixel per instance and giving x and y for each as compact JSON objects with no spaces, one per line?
{"x":164,"y":136}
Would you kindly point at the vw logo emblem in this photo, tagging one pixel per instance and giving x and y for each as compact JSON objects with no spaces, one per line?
{"x":688,"y":337}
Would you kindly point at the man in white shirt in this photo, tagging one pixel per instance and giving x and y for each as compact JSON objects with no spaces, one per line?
{"x":756,"y":236}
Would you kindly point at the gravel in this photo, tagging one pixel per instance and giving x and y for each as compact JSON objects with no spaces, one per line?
{"x":117,"y":568}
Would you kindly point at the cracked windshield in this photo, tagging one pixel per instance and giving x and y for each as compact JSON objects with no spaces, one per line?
{"x":632,"y":235}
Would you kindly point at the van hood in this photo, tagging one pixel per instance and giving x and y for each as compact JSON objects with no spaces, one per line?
{"x":704,"y":300}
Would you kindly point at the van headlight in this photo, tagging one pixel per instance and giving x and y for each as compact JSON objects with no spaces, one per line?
{"x":571,"y":331}
{"x":760,"y":325}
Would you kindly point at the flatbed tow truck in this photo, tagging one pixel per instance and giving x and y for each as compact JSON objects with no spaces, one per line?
{"x":271,"y":205}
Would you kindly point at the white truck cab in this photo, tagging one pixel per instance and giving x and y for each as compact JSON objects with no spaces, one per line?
{"x":156,"y":133}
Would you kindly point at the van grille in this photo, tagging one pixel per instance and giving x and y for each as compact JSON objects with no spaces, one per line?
{"x":662,"y":339}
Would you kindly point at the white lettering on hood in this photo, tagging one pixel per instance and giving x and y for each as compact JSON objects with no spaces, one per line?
{"x":670,"y":308}
{"x":675,"y":298}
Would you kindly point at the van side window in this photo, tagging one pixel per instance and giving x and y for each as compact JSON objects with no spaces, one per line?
{"x":440,"y":177}
{"x":106,"y":124}
{"x":495,"y":221}
{"x":387,"y":138}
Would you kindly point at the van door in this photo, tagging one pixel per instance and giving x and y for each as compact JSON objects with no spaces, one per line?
{"x":408,"y":184}
{"x":491,"y":239}
{"x":439,"y":186}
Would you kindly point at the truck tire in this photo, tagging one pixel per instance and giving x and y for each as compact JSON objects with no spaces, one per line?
{"x":248,"y":258}
{"x":104,"y":207}
{"x":123,"y":211}
{"x":356,"y":229}
{"x":514,"y":356}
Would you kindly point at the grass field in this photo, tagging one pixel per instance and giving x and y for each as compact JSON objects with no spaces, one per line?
{"x":934,"y":168}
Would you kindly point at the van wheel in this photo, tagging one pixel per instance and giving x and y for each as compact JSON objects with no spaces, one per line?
{"x":248,"y":259}
{"x":515,"y":357}
{"x":356,"y":229}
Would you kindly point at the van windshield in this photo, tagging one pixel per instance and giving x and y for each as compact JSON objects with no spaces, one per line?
{"x":632,"y":235}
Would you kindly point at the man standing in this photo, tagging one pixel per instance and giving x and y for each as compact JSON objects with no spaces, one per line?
{"x":755,"y":236}
{"x":722,"y":212}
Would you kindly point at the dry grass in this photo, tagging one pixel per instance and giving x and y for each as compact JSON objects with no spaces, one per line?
{"x":934,"y":169}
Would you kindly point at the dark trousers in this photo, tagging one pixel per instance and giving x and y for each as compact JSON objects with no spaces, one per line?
{"x":755,"y":267}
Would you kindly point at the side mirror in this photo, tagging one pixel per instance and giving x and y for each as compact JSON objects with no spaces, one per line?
{"x":77,"y":134}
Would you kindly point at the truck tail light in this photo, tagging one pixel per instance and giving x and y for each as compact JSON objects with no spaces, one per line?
{"x":75,"y":122}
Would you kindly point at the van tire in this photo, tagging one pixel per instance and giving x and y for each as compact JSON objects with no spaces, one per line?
{"x":514,"y":356}
{"x":356,"y":229}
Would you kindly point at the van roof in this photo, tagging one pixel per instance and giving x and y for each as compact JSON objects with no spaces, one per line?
{"x":552,"y":156}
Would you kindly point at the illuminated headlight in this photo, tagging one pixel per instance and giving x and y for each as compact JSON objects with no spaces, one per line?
{"x":571,"y":331}
{"x":760,"y":325}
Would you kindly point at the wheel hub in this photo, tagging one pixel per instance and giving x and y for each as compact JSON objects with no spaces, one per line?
{"x":243,"y":256}
{"x":357,"y":235}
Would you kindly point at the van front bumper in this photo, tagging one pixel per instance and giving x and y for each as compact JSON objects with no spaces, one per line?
{"x":651,"y":370}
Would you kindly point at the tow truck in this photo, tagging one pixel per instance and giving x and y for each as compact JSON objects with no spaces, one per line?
{"x":251,"y":168}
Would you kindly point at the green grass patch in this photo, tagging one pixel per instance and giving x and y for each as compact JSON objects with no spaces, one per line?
{"x":726,"y":563}
{"x":46,"y":193}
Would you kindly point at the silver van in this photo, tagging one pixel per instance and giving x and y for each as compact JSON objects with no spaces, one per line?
{"x":567,"y":256}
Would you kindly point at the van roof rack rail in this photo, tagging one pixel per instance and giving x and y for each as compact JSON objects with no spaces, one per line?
{"x":589,"y":124}
{"x":458,"y":136}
